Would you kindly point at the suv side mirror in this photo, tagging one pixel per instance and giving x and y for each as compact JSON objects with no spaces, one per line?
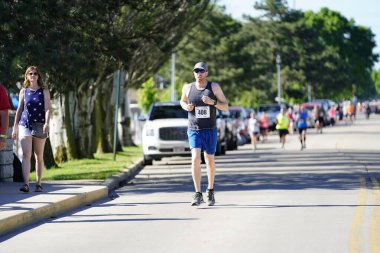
{"x":142,"y":118}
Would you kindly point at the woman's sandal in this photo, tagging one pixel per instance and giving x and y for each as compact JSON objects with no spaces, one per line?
{"x":38,"y":188}
{"x":25,"y":188}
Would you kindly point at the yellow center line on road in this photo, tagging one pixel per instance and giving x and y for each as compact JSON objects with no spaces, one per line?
{"x":375,"y":224}
{"x":356,"y":243}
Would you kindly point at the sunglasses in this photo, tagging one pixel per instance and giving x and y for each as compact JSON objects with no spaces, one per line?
{"x":33,"y":74}
{"x":202,"y":71}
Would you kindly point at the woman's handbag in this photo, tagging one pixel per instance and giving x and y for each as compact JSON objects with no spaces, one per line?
{"x":38,"y":130}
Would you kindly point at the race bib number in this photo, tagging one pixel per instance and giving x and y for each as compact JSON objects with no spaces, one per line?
{"x":202,"y":112}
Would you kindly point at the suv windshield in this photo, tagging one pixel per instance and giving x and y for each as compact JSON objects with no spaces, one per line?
{"x":269,"y":108}
{"x":167,"y":112}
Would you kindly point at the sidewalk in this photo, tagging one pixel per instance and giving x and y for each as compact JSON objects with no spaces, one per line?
{"x":18,"y":209}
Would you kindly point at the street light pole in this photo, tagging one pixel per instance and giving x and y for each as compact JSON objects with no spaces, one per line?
{"x":278,"y":61}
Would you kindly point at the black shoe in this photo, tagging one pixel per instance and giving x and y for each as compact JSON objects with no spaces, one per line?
{"x":24,"y":188}
{"x":210,"y":197}
{"x":38,"y":188}
{"x":198,"y":199}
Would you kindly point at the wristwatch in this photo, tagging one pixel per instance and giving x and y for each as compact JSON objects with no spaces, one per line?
{"x":215,"y":102}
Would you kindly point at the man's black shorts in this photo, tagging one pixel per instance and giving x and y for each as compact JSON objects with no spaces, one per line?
{"x":300,"y":129}
{"x":283,"y":132}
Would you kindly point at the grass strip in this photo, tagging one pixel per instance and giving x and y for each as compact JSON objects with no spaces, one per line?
{"x":101,"y":167}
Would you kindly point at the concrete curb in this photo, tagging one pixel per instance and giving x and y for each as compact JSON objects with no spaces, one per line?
{"x":25,"y":215}
{"x":118,"y":180}
{"x":23,"y":218}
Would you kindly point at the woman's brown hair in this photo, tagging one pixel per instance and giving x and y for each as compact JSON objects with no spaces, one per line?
{"x":40,"y":82}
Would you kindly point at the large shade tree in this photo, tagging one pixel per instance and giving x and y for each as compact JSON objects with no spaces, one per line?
{"x":79,"y":44}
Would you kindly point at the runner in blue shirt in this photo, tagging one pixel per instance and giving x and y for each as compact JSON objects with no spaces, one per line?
{"x":302,"y":117}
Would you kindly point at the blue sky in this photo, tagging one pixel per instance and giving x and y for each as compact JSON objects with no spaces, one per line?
{"x":364,"y":12}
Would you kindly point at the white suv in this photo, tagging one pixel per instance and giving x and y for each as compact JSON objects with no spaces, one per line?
{"x":165,"y":132}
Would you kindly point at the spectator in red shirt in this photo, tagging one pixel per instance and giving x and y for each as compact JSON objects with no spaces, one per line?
{"x":4,"y":116}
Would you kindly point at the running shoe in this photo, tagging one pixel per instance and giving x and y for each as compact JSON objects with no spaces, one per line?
{"x":198,"y":199}
{"x":25,"y":188}
{"x":210,"y":197}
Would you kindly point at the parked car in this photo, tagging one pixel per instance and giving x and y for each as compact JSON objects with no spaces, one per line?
{"x":240,"y":122}
{"x":325,"y":104}
{"x":221,"y":125}
{"x":271,"y":111}
{"x":309,"y":106}
{"x":231,"y":130}
{"x":165,"y":132}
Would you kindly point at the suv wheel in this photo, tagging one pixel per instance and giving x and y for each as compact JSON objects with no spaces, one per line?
{"x":224,"y":149}
{"x":148,"y":160}
{"x":218,"y":149}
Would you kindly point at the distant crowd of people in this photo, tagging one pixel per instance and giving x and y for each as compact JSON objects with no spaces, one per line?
{"x":298,"y":118}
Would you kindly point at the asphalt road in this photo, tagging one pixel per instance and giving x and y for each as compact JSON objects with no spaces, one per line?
{"x":323,"y":199}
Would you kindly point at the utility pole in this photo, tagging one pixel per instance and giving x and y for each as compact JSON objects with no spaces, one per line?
{"x":278,"y":62}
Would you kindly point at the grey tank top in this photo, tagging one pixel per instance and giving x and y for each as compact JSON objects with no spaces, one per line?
{"x":203,"y":116}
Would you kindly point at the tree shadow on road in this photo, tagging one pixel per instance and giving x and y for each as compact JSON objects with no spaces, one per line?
{"x":277,"y":170}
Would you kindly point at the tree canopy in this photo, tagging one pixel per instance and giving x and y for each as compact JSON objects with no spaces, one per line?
{"x":324,"y":49}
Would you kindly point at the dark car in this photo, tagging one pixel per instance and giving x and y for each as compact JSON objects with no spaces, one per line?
{"x":271,"y":110}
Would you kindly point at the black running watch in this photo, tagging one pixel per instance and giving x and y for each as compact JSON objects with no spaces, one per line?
{"x":215,"y":102}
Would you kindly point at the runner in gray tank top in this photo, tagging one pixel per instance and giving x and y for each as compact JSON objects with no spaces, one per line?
{"x":204,"y":117}
{"x":201,"y":99}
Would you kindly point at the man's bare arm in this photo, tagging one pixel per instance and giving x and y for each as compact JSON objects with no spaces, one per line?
{"x":222,"y":103}
{"x":185,"y":99}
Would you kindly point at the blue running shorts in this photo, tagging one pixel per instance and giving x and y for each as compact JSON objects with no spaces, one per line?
{"x":204,"y":139}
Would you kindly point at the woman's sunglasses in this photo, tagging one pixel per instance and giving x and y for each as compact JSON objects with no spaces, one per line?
{"x":33,"y":74}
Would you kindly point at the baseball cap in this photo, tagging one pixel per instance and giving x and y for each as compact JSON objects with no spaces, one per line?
{"x":200,"y":65}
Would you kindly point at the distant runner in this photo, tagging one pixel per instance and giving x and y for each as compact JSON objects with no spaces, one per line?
{"x":302,"y":118}
{"x":282,"y":125}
